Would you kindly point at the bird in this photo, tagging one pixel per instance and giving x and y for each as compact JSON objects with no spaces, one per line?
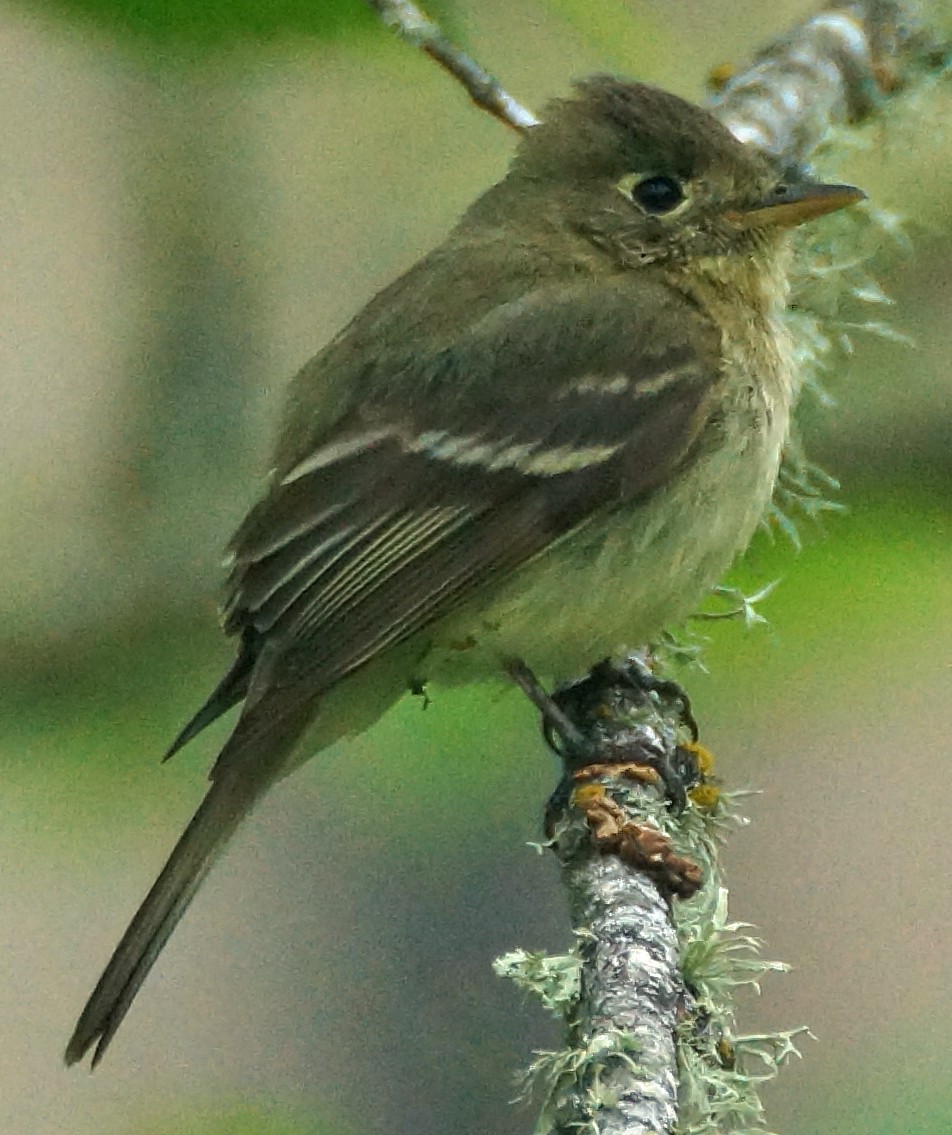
{"x":547,"y":439}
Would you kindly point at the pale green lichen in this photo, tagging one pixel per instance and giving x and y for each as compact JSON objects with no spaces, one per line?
{"x":718,"y":1087}
{"x":718,"y":956}
{"x":552,"y":978}
{"x":715,"y":1097}
{"x":833,"y":272}
{"x":743,"y":606}
{"x":571,"y":1081}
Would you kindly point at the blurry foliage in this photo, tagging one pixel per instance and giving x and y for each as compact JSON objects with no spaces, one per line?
{"x":915,"y":1101}
{"x":200,"y":23}
{"x":206,"y":1119}
{"x":217,"y":21}
{"x":623,"y":34}
{"x":880,"y":564}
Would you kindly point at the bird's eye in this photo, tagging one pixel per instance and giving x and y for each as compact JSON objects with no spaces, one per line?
{"x":657,"y":195}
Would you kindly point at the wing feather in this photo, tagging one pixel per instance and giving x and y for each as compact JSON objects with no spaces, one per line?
{"x":392,"y":519}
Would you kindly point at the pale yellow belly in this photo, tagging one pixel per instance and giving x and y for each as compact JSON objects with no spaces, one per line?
{"x":628,"y":574}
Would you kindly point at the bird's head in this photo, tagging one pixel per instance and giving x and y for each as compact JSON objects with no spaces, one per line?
{"x":648,"y":178}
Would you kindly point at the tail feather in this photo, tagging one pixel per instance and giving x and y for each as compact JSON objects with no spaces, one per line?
{"x":227,"y":802}
{"x":229,"y":692}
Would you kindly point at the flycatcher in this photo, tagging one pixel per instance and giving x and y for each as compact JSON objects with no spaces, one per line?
{"x":548,"y":439}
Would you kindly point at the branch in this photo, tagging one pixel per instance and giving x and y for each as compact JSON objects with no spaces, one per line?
{"x":622,"y":993}
{"x":647,"y":995}
{"x":838,"y":68}
{"x":485,"y":91}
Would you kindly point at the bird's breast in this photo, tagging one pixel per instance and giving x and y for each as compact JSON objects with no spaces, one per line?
{"x":631,"y":570}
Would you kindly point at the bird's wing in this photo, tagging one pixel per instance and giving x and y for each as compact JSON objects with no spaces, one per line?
{"x":456,"y":469}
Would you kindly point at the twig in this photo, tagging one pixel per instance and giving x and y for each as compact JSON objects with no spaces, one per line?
{"x":485,"y":91}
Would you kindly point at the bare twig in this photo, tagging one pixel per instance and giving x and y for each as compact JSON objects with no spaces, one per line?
{"x":485,"y":91}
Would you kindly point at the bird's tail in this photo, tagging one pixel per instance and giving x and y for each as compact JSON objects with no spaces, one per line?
{"x":233,"y":792}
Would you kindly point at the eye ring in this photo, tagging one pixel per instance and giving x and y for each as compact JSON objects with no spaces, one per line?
{"x":658,"y":195}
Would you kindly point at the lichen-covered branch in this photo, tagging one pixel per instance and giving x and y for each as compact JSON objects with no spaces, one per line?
{"x":624,"y":737}
{"x":838,"y":68}
{"x":647,"y":994}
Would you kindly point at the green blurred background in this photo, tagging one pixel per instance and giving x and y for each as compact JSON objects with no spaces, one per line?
{"x":197,"y":196}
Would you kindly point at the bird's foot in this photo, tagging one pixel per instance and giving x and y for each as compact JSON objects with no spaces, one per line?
{"x":606,"y":720}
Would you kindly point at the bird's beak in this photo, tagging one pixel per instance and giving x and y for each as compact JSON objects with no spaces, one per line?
{"x":790,"y":205}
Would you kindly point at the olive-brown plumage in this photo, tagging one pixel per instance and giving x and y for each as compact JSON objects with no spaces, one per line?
{"x":547,"y":439}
